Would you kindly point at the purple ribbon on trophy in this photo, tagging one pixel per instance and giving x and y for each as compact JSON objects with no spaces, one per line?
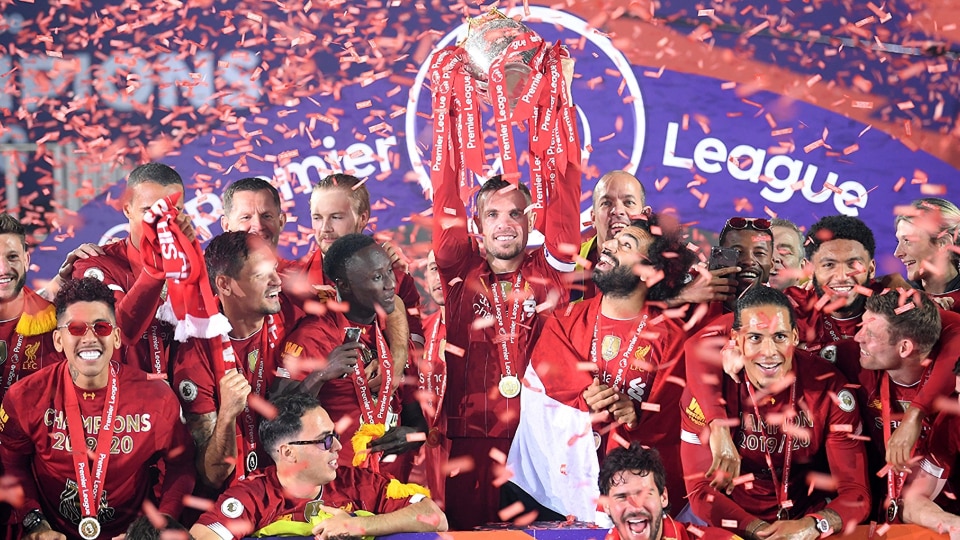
{"x":526,"y":81}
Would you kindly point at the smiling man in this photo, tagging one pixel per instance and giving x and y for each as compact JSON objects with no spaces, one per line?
{"x":753,"y":240}
{"x":342,"y":356}
{"x":243,"y":273}
{"x":253,"y":205}
{"x":307,"y":494}
{"x":633,"y":492}
{"x":26,"y":319}
{"x":785,"y":412}
{"x":788,"y":254}
{"x":138,"y":290}
{"x":127,"y":419}
{"x":618,"y":198}
{"x":502,"y":291}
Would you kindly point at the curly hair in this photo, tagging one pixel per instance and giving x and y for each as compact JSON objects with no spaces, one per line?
{"x":668,"y":252}
{"x":839,"y":228}
{"x":637,"y":460}
{"x":88,"y":289}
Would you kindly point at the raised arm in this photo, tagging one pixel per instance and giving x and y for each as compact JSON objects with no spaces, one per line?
{"x":421,"y":516}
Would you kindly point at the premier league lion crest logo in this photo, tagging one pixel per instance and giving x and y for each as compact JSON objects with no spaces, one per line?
{"x":70,"y":504}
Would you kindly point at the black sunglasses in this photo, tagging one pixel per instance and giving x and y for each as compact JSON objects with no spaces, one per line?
{"x":79,"y":329}
{"x":326,"y":440}
{"x":739,"y":223}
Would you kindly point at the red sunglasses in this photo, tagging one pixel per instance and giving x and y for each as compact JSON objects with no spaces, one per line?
{"x":79,"y":329}
{"x":739,"y":223}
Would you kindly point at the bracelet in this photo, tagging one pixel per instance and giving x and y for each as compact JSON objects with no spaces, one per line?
{"x":757,"y":527}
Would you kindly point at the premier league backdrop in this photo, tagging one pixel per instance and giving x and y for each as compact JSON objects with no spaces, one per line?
{"x":293,"y":91}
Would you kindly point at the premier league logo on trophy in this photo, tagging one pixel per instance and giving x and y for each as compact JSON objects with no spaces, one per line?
{"x":487,"y":40}
{"x":526,"y":81}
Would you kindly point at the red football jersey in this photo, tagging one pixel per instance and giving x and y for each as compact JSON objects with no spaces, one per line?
{"x":146,"y":340}
{"x":312,"y":266}
{"x":827,"y":421}
{"x":258,"y":358}
{"x":256,"y":502}
{"x":21,"y":355}
{"x":432,"y":378}
{"x":313,"y":339}
{"x":35,"y":447}
{"x":816,"y":328}
{"x":651,"y":376}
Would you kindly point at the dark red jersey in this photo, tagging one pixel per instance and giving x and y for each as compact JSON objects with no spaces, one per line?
{"x":312,"y":267}
{"x":313,"y":339}
{"x":26,"y":342}
{"x":826,"y":423}
{"x":649,"y":369}
{"x":35,"y":447}
{"x":146,"y":340}
{"x":818,"y":329}
{"x":258,"y":358}
{"x":257,"y":502}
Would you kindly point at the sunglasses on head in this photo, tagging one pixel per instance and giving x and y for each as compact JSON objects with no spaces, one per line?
{"x":79,"y":329}
{"x":326,"y":440}
{"x":760,"y":224}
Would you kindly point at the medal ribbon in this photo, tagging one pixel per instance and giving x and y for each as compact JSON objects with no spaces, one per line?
{"x":782,"y":487}
{"x":895,"y":480}
{"x":246,"y":428}
{"x":624,"y":359}
{"x":156,"y":350}
{"x":435,"y":366}
{"x":442,"y":72}
{"x":359,"y":376}
{"x":14,"y":363}
{"x":88,"y":490}
{"x":507,"y":341}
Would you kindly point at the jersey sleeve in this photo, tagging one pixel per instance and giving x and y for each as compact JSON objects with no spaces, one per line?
{"x":407,"y":291}
{"x":451,"y":241}
{"x":944,"y":446}
{"x":846,"y":454}
{"x":702,"y":352}
{"x":375,"y":492}
{"x":193,"y":377}
{"x":236,"y":513}
{"x":17,"y":453}
{"x":944,"y":355}
{"x":705,"y":501}
{"x":306,"y":348}
{"x":178,"y":456}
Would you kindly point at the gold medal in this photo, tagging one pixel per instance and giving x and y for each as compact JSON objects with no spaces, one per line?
{"x":89,"y":528}
{"x":597,"y":441}
{"x":433,"y":437}
{"x":893,"y":512}
{"x":509,"y":386}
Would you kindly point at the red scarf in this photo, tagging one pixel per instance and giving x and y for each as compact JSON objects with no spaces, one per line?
{"x":167,"y":254}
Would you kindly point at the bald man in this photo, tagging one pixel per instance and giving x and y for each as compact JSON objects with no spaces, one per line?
{"x":618,"y":198}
